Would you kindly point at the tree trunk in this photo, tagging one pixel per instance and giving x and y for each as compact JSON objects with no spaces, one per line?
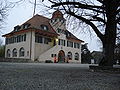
{"x":110,"y":36}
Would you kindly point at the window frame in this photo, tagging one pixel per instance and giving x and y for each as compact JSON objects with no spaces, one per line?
{"x":76,"y":56}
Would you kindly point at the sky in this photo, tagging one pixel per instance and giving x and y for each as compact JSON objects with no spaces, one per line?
{"x":22,"y":12}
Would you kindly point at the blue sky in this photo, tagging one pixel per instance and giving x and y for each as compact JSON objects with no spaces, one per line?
{"x":20,"y":13}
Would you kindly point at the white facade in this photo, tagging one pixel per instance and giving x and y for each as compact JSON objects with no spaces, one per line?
{"x":57,"y":47}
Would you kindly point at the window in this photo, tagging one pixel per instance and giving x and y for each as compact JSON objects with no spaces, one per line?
{"x":17,"y":28}
{"x":59,"y":30}
{"x":14,"y":52}
{"x":61,"y":42}
{"x":24,"y":37}
{"x":22,"y":52}
{"x":76,"y":45}
{"x":44,"y":27}
{"x":69,"y":44}
{"x":7,"y":41}
{"x":76,"y":56}
{"x":19,"y":38}
{"x":38,"y":39}
{"x":8,"y":53}
{"x":16,"y":39}
{"x":69,"y":55}
{"x":25,"y":26}
{"x":46,"y":40}
{"x":53,"y":55}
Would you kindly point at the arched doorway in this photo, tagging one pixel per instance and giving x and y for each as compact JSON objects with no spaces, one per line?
{"x":61,"y":56}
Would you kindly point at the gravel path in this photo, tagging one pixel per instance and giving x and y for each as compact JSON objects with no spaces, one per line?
{"x":40,"y":76}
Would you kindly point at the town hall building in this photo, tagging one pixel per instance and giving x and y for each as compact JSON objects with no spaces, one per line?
{"x":42,"y":39}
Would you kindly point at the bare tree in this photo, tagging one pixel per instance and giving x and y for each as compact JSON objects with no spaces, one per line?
{"x":103,"y":16}
{"x":5,"y":6}
{"x":1,"y":42}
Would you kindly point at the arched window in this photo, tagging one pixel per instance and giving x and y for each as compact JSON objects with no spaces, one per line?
{"x":76,"y":56}
{"x":21,"y":52}
{"x":14,"y":52}
{"x":69,"y":55}
{"x":8,"y":53}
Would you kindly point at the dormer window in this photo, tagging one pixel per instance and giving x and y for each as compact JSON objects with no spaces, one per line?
{"x":44,"y":27}
{"x":17,"y":28}
{"x":25,"y":26}
{"x":59,"y":30}
{"x":68,"y":34}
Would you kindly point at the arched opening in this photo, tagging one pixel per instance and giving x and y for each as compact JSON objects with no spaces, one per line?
{"x":76,"y":56}
{"x":21,"y":52}
{"x":8,"y":53}
{"x":69,"y":56}
{"x":14,"y":52}
{"x":61,"y":56}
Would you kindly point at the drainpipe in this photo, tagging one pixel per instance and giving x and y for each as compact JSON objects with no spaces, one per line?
{"x":31,"y":45}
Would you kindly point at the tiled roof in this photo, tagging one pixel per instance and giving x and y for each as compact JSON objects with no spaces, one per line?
{"x":57,"y":14}
{"x":35,"y":23}
{"x":70,"y":36}
{"x":38,"y":20}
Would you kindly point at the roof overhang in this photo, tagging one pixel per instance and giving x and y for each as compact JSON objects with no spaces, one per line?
{"x":42,"y":32}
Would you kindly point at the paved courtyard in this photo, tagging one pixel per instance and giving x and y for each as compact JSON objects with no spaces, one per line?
{"x":39,"y":76}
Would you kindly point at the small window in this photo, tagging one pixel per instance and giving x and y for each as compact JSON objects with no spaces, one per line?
{"x":59,"y":30}
{"x":14,"y":52}
{"x":76,"y":56}
{"x":44,"y":27}
{"x":69,"y":55}
{"x":53,"y":55}
{"x":21,"y":52}
{"x":8,"y":53}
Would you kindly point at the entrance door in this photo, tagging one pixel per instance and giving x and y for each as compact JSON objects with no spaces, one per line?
{"x":61,"y":56}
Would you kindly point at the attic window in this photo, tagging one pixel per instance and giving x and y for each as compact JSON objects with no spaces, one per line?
{"x":44,"y":27}
{"x":68,"y":34}
{"x":17,"y":28}
{"x":25,"y":26}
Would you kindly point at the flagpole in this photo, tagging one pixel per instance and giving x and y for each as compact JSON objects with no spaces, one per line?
{"x":34,"y":8}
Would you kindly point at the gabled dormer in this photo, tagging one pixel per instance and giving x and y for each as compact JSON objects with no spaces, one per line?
{"x":17,"y":28}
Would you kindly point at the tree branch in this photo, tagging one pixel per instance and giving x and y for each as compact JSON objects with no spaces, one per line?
{"x":76,"y":3}
{"x":117,"y":11}
{"x":99,"y":34}
{"x":99,"y":19}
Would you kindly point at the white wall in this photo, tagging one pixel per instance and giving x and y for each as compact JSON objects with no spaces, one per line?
{"x":24,"y":44}
{"x":56,"y":49}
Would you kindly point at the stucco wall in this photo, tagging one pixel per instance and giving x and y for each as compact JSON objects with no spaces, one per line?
{"x":26,"y":45}
{"x":41,"y":48}
{"x":55,"y":50}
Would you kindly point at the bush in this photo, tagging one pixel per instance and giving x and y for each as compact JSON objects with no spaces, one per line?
{"x":48,"y":61}
{"x":2,"y":51}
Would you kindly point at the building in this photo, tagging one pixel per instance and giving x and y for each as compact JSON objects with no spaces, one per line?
{"x":43,"y":39}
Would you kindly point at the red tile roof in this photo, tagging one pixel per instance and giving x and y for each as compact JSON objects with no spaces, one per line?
{"x":57,"y":14}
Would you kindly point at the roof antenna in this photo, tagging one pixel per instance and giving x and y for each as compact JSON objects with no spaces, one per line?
{"x":34,"y":8}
